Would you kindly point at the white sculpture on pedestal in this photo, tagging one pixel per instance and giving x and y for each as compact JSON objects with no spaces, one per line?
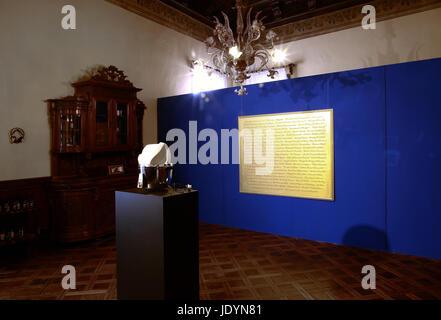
{"x":154,"y":163}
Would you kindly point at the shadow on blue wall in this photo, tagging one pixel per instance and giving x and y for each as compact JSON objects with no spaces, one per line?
{"x":303,"y":90}
{"x":365,"y":236}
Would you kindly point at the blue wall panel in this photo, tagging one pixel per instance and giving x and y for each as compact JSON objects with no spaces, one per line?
{"x":365,"y":213}
{"x":414,"y":157}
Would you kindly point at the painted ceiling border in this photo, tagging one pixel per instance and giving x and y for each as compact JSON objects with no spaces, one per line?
{"x":326,"y":23}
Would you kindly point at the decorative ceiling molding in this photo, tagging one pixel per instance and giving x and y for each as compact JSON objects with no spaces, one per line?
{"x":167,"y":16}
{"x":351,"y":17}
{"x":326,"y":23}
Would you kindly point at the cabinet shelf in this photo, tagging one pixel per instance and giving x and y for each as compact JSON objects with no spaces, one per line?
{"x":25,"y":239}
{"x":16,"y":214}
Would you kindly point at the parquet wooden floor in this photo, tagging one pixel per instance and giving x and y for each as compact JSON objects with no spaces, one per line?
{"x":234,"y":264}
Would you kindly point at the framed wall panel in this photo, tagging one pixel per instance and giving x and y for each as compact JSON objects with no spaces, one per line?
{"x":288,"y":154}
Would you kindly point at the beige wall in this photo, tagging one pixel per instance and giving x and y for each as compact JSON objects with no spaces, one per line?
{"x":38,"y":59}
{"x":408,"y":38}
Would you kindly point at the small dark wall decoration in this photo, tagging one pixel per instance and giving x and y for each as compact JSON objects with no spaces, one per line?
{"x":16,"y":135}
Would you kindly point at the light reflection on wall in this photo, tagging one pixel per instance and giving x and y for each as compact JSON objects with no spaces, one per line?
{"x":206,"y":80}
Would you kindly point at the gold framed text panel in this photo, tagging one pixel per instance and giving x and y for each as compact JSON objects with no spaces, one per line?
{"x":287,"y":154}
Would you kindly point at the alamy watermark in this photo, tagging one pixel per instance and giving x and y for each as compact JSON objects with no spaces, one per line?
{"x":69,"y":281}
{"x":369,"y":20}
{"x":69,"y":21}
{"x":369,"y":281}
{"x":258,"y":147}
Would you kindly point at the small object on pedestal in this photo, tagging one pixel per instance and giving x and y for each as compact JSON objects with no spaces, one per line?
{"x":140,"y":184}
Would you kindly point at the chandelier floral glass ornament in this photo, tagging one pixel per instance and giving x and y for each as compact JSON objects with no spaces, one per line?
{"x":248,"y":50}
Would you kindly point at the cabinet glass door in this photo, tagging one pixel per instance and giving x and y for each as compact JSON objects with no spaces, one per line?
{"x":121,"y":123}
{"x":102,"y":123}
{"x":70,"y":128}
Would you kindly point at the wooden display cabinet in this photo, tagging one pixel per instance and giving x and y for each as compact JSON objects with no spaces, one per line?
{"x":98,"y":128}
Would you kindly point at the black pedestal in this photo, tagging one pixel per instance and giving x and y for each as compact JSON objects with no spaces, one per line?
{"x":157,"y":245}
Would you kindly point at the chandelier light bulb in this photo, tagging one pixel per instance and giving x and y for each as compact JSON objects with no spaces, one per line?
{"x":278,"y":56}
{"x":234,"y":51}
{"x":198,"y":66}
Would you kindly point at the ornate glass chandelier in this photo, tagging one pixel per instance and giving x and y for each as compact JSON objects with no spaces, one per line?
{"x":249,"y":50}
